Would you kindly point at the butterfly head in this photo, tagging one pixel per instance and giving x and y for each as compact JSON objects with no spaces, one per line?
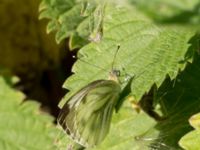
{"x":114,"y":74}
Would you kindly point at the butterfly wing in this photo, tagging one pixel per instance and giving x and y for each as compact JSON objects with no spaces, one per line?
{"x":87,"y":115}
{"x":66,"y":117}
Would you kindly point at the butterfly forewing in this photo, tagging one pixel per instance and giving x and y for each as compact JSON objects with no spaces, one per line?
{"x":67,"y":113}
{"x":86,"y":116}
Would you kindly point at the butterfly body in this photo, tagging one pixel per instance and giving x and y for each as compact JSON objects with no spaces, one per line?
{"x":86,"y":116}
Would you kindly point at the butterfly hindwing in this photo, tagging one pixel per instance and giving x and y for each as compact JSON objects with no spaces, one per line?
{"x":87,"y":115}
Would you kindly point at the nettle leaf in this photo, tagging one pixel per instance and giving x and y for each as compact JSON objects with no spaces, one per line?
{"x":137,"y":131}
{"x":22,"y":125}
{"x":147,"y":53}
{"x":192,"y":139}
{"x":129,"y":131}
{"x":182,"y":11}
{"x":53,"y":10}
{"x":69,"y":18}
{"x":179,"y":101}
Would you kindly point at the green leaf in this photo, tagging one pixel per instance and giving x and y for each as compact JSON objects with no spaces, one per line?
{"x":138,"y":131}
{"x":129,"y":131}
{"x":195,"y":121}
{"x":192,"y":139}
{"x":170,"y":11}
{"x":150,"y":54}
{"x":179,"y":100}
{"x":22,"y":125}
{"x":146,"y":52}
{"x":53,"y":10}
{"x":76,"y":41}
{"x":132,"y":131}
{"x":66,"y":16}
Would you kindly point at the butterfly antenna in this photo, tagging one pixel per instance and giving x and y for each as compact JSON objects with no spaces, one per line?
{"x":113,"y":62}
{"x":92,"y":64}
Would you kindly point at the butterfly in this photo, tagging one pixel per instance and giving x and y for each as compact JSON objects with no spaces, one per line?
{"x":86,"y":116}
